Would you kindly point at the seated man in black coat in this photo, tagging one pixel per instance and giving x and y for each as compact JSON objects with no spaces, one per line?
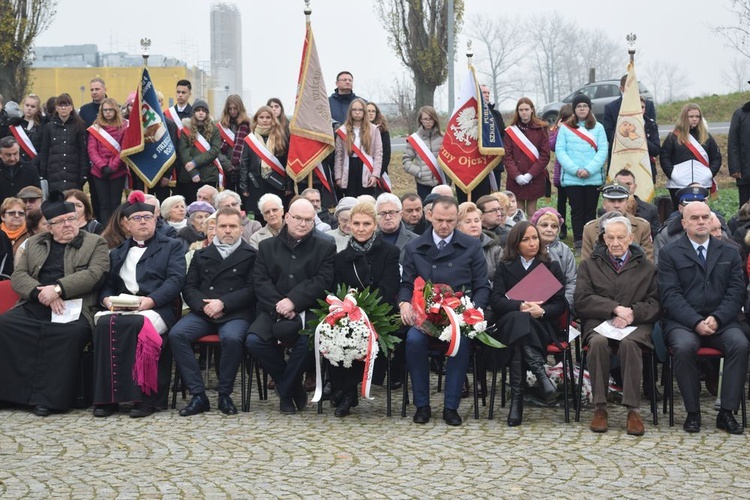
{"x":292,"y":271}
{"x":219,"y":292}
{"x":703,"y":290}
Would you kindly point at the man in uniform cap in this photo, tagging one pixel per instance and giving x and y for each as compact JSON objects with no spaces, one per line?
{"x":614,"y":199}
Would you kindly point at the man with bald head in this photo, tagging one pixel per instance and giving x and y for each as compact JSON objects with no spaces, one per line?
{"x":292,"y":271}
{"x":702,"y":292}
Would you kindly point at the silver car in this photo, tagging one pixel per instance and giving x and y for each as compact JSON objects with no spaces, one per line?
{"x":601,"y":93}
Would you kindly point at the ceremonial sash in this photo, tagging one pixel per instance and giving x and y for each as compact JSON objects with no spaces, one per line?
{"x":226,"y":134}
{"x":23,"y":139}
{"x":264,"y":154}
{"x":523,"y":142}
{"x":423,"y":151}
{"x":367,"y":160}
{"x":321,"y":175}
{"x":202,"y":145}
{"x":172,"y":114}
{"x":701,"y":155}
{"x":105,"y":139}
{"x":584,"y":135}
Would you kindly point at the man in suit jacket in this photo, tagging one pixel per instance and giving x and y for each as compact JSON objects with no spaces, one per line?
{"x":441,"y":255}
{"x":219,"y":292}
{"x":390,"y":222}
{"x":703,"y":290}
{"x":292,"y":271}
{"x":612,"y":111}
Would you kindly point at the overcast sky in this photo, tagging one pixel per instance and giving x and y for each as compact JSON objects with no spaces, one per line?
{"x":350,"y":36}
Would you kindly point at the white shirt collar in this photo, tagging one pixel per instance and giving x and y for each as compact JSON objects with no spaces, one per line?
{"x":437,"y":238}
{"x":704,"y":245}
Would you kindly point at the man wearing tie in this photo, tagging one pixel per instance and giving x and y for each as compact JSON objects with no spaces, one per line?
{"x":441,"y":255}
{"x":703,"y":290}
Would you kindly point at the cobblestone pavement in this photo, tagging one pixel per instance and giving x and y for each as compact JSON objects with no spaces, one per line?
{"x":264,"y":454}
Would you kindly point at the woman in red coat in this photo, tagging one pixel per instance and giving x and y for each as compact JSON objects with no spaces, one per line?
{"x":526,"y":144}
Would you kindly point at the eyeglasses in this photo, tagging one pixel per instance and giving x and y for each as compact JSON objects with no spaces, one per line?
{"x":388,"y":213}
{"x":139,"y":218}
{"x":498,"y":211}
{"x":15,"y":213}
{"x":68,"y":220}
{"x":302,"y":220}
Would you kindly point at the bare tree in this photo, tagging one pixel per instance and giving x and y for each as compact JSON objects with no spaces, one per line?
{"x":401,"y":93}
{"x":503,"y":48}
{"x":21,"y":21}
{"x":418,"y":32}
{"x":551,"y":34}
{"x":675,"y":81}
{"x":655,"y":74}
{"x":738,"y":35}
{"x":736,"y":74}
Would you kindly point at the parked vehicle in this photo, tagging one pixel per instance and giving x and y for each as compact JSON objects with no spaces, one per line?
{"x":601,"y":93}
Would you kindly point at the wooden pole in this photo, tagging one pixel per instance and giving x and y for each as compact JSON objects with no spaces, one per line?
{"x":310,"y":180}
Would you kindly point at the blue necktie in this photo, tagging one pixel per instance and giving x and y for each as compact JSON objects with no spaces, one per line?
{"x":701,"y":257}
{"x":441,"y":244}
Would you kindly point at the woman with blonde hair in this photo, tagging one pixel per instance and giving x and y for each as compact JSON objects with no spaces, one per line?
{"x":359,"y":153}
{"x":422,"y":149}
{"x":263,"y":162}
{"x":526,"y":157}
{"x":108,"y":171}
{"x":689,"y":154}
{"x":199,"y":148}
{"x":27,"y":129}
{"x":234,"y":126}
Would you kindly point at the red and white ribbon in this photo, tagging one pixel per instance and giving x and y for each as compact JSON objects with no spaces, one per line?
{"x":701,"y":155}
{"x":320,"y":173}
{"x":338,"y":309}
{"x":584,"y":135}
{"x":202,"y":145}
{"x":367,"y":160}
{"x":172,"y":114}
{"x":106,"y":139}
{"x":226,"y":134}
{"x":523,"y":142}
{"x":424,"y":152}
{"x":260,"y":149}
{"x":23,"y":140}
{"x":448,"y":305}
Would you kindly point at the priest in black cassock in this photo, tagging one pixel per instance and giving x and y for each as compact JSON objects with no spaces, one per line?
{"x":132,"y":357}
{"x":39,"y":356}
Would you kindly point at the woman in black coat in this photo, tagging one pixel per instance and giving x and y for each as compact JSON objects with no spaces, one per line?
{"x":525,"y":327}
{"x":366,"y":261}
{"x":64,"y":160}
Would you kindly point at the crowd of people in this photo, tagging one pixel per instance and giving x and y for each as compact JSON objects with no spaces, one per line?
{"x":136,"y":283}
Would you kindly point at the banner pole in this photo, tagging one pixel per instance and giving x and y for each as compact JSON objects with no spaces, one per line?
{"x":309,"y":180}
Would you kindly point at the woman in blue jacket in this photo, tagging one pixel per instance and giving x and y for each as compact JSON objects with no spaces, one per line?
{"x":582,"y":150}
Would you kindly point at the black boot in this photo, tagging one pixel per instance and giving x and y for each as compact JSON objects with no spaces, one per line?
{"x":538,"y":367}
{"x":515,"y":415}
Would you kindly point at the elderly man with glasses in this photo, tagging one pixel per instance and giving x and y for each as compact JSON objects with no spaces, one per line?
{"x":390,"y":225}
{"x":292,"y":271}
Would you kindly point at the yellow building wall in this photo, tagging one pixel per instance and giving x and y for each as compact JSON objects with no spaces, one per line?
{"x":49,"y":82}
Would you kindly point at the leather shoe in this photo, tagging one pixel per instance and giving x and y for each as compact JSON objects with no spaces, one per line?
{"x":465,"y":389}
{"x":423,"y":414}
{"x":300,"y":397}
{"x":693,"y":422}
{"x":336,"y":398}
{"x":396,"y":384}
{"x":198,"y":404}
{"x":344,"y":408}
{"x":141,"y":410}
{"x":599,"y":422}
{"x":725,"y":421}
{"x":286,"y":406}
{"x":635,"y":424}
{"x":451,"y":417}
{"x":44,"y":411}
{"x":226,"y":405}
{"x":105,"y":410}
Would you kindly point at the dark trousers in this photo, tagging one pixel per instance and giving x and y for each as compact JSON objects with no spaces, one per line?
{"x":480,"y":190}
{"x":731,"y":342}
{"x":744,"y":192}
{"x":109,"y":197}
{"x":286,"y":373}
{"x":417,"y":360}
{"x":562,"y":208}
{"x":191,"y":328}
{"x":423,"y":190}
{"x":583,"y":201}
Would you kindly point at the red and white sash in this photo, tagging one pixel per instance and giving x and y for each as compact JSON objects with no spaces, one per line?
{"x":523,"y":142}
{"x":427,"y":157}
{"x":23,"y":140}
{"x":260,"y":149}
{"x":320,"y":173}
{"x":367,"y":160}
{"x":172,"y":114}
{"x":226,"y":134}
{"x":701,"y":155}
{"x":202,"y":145}
{"x":105,"y":139}
{"x":584,"y":135}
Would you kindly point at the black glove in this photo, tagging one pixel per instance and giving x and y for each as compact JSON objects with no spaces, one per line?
{"x":106,"y":172}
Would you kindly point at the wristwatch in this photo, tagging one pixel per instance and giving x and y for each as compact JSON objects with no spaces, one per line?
{"x":58,"y":290}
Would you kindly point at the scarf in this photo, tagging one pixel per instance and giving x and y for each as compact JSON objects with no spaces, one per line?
{"x":178,"y":225}
{"x":290,"y":241}
{"x":265,"y":168}
{"x":13,"y":235}
{"x":224,"y":249}
{"x":362,"y":247}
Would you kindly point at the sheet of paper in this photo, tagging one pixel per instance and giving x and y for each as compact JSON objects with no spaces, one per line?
{"x":609,"y":331}
{"x":72,"y":312}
